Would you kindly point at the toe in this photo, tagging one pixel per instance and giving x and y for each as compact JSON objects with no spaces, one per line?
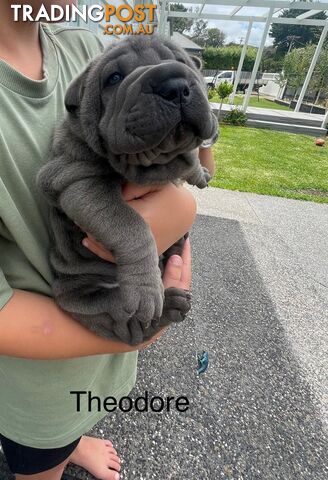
{"x":114,"y":465}
{"x":112,"y":475}
{"x":112,"y":451}
{"x":114,"y":458}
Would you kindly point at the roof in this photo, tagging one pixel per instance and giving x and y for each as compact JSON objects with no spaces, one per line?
{"x":265,"y":9}
{"x":185,"y":42}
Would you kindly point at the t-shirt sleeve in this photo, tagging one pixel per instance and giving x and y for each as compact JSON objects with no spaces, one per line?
{"x":80,"y":41}
{"x":92,"y":42}
{"x":6,"y":291}
{"x":99,"y":46}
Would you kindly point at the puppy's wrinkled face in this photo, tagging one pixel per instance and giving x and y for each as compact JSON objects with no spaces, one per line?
{"x":142,"y":102}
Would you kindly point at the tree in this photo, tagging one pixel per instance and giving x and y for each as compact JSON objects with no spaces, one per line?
{"x":211,"y":37}
{"x":271,"y":60}
{"x":198,"y":30}
{"x":296,"y":65}
{"x":227,"y":58}
{"x":216,"y":37}
{"x":180,"y":24}
{"x":319,"y":81}
{"x":224,"y":89}
{"x":283,"y":34}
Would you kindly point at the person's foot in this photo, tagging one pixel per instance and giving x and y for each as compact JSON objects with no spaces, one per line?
{"x":98,"y":457}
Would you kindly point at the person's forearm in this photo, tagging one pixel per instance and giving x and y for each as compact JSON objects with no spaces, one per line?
{"x":177,"y":208}
{"x":206,"y":158}
{"x":33,"y":326}
{"x":169,"y":210}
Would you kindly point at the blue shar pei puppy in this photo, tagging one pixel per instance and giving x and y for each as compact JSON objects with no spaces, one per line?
{"x":136,"y":113}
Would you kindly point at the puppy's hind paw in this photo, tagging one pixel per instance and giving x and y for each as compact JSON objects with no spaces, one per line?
{"x":177,"y":303}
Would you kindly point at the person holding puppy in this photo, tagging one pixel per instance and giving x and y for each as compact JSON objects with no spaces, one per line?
{"x":44,"y":353}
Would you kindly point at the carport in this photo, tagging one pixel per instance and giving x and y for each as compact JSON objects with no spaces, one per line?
{"x":267,"y":13}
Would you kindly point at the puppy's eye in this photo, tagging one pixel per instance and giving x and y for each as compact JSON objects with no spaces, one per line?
{"x":114,"y":78}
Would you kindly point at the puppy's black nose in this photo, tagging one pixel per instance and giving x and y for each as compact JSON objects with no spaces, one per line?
{"x":174,"y":90}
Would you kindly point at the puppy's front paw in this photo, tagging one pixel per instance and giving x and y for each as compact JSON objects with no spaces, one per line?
{"x":199,"y":177}
{"x":142,"y":300}
{"x":204,"y":178}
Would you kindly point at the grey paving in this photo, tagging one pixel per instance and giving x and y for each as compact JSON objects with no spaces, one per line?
{"x":302,"y":225}
{"x":260,"y":310}
{"x":272,"y":124}
{"x":316,"y":118}
{"x":282,"y":120}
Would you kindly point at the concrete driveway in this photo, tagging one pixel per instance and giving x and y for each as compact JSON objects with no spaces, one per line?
{"x":260,"y":308}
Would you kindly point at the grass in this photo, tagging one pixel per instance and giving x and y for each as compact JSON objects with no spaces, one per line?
{"x":254,"y":102}
{"x":271,"y":163}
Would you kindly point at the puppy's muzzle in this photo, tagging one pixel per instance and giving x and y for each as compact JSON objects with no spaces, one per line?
{"x":175,"y":90}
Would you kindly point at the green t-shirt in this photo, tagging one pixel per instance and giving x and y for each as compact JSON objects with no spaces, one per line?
{"x":36,"y":407}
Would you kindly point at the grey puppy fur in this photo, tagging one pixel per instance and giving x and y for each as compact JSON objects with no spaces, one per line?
{"x":137,"y":113}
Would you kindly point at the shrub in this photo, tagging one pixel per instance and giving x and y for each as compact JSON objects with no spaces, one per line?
{"x":223,"y":90}
{"x":227,"y":58}
{"x":211,"y":93}
{"x":235,"y":117}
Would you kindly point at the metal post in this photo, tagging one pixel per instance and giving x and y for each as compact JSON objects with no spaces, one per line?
{"x":311,"y":69}
{"x":325,"y":121}
{"x":257,"y":60}
{"x":162,"y":18}
{"x":241,"y":62}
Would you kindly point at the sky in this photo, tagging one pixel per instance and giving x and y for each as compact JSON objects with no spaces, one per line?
{"x":235,"y":31}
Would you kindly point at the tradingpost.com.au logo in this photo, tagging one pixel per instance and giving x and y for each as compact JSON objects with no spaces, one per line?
{"x":124,"y":13}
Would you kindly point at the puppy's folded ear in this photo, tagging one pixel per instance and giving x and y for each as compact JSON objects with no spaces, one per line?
{"x":74,"y":92}
{"x":197,"y":61}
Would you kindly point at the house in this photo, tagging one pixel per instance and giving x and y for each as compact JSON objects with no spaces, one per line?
{"x":187,"y":44}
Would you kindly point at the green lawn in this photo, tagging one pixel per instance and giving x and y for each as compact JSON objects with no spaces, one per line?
{"x":254,"y":102}
{"x":271,"y":163}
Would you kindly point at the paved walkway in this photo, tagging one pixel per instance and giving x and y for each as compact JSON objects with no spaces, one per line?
{"x":288,"y":114}
{"x":260,"y":309}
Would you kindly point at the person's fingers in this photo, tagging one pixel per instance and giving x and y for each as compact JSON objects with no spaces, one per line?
{"x":173,"y":272}
{"x":178,"y":269}
{"x":186,"y":270}
{"x":153,"y":338}
{"x":98,"y":249}
{"x":132,"y":191}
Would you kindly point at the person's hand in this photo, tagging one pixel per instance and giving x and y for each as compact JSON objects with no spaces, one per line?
{"x":153,"y":203}
{"x":97,"y":248}
{"x":131,"y":193}
{"x":168,"y":209}
{"x":177,"y":274}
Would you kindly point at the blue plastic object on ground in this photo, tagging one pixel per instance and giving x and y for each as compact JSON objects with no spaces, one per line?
{"x":202,"y":359}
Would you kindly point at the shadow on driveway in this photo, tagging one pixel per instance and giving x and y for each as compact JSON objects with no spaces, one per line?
{"x":251,"y":416}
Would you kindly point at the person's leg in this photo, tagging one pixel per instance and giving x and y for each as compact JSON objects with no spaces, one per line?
{"x":32,"y":463}
{"x":95,"y":455}
{"x":53,"y":474}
